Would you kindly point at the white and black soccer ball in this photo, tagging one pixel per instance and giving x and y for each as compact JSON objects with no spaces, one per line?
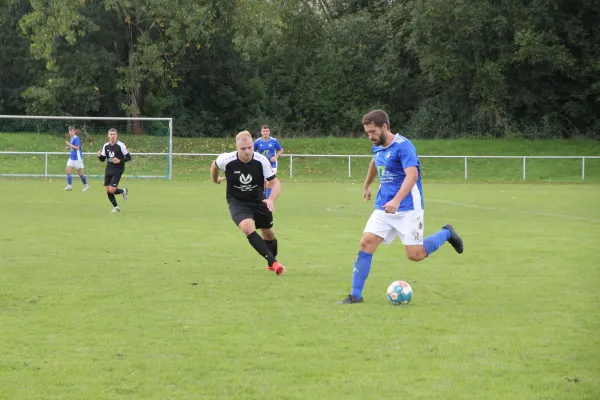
{"x":399,"y":292}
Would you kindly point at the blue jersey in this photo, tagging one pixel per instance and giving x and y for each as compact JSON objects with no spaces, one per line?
{"x":76,"y":154}
{"x":391,"y":161}
{"x":267,"y":148}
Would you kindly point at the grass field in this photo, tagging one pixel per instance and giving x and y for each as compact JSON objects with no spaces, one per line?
{"x":315,"y":169}
{"x":167,"y":300}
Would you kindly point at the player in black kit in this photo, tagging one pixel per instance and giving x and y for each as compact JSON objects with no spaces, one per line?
{"x":115,"y":153}
{"x":245,"y":172}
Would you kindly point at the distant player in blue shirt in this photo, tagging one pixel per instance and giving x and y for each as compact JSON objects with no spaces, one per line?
{"x":399,"y":203}
{"x":269,"y":147}
{"x":75,"y":160}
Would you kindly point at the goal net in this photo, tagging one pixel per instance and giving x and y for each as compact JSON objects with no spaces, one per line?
{"x":34,"y":146}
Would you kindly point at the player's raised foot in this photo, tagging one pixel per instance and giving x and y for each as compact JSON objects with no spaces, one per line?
{"x":68,"y":188}
{"x":277,"y":268}
{"x":125,"y":193}
{"x":351,"y":300}
{"x":86,"y":188}
{"x":116,"y":209}
{"x":455,"y":240}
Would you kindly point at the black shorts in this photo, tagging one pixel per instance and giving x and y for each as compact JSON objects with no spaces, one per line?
{"x":112,"y":178}
{"x":240,"y":210}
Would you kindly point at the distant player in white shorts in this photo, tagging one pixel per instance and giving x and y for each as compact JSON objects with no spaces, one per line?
{"x":398,"y":205}
{"x":75,"y":160}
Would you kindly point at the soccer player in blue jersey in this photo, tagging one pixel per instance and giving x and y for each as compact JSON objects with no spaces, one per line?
{"x":269,"y":147}
{"x":75,"y":160}
{"x":399,"y":203}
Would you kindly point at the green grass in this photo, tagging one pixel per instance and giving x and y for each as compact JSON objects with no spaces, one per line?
{"x":306,"y":169}
{"x":167,"y":300}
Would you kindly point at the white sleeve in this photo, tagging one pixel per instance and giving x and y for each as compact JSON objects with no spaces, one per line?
{"x":266,"y":165}
{"x":103,"y":150}
{"x":222,"y":161}
{"x":123,"y":149}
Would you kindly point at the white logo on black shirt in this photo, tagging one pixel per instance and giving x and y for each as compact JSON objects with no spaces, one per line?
{"x":245,"y":179}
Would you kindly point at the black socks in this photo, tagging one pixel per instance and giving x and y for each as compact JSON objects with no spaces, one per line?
{"x":261,"y":247}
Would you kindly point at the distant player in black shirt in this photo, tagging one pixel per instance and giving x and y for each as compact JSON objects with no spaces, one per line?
{"x":246,"y":172}
{"x":115,"y":153}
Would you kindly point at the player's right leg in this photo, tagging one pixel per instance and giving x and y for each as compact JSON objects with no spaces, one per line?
{"x":110,"y":191}
{"x":68,"y":172}
{"x":243,"y":216}
{"x":377,"y":230}
{"x":263,"y":220}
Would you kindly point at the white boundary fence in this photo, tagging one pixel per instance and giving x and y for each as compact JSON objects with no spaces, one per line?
{"x":291,"y":156}
{"x":41,"y":117}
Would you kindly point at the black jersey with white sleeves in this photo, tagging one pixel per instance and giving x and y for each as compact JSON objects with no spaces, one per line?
{"x":245,"y":181}
{"x":110,"y":152}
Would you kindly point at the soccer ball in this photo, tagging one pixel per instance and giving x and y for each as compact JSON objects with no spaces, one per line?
{"x":399,"y":292}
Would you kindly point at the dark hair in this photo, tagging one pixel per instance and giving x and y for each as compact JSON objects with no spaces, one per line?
{"x":377,"y":117}
{"x":264,"y":127}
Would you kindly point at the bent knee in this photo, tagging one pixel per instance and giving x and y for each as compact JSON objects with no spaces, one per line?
{"x":416,"y":253}
{"x":416,"y":257}
{"x":247,"y":226}
{"x":369,"y":243}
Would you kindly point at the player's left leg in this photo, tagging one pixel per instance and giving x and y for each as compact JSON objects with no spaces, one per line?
{"x":115,"y":189}
{"x":411,"y":234}
{"x":271,"y":242}
{"x":83,"y":179}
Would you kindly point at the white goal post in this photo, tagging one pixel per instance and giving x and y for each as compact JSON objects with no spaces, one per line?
{"x":165,"y":151}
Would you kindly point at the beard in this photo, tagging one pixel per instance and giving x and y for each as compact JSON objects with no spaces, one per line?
{"x":379,"y":141}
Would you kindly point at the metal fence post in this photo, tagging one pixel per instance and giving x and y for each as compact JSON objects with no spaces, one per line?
{"x":291,"y":161}
{"x":349,"y":166}
{"x":465,"y":168}
{"x":46,"y":166}
{"x":524,"y":158}
{"x":582,"y":168}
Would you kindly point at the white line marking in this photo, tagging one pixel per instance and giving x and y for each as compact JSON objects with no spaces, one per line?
{"x":545,"y":214}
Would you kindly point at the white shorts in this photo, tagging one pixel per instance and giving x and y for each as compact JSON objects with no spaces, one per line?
{"x":77,"y":164}
{"x":407,"y":225}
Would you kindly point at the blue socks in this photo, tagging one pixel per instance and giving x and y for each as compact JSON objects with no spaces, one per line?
{"x":433,"y":242}
{"x":69,"y":179}
{"x":362,"y":267}
{"x":267,"y":192}
{"x":83,"y":179}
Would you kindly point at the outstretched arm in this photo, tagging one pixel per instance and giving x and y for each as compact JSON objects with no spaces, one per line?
{"x":214,"y":173}
{"x":371,"y":174}
{"x":278,"y":154}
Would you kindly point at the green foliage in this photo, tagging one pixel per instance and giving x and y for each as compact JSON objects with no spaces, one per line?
{"x":441,"y":68}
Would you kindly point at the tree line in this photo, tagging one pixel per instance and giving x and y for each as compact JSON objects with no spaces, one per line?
{"x":441,"y":68}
